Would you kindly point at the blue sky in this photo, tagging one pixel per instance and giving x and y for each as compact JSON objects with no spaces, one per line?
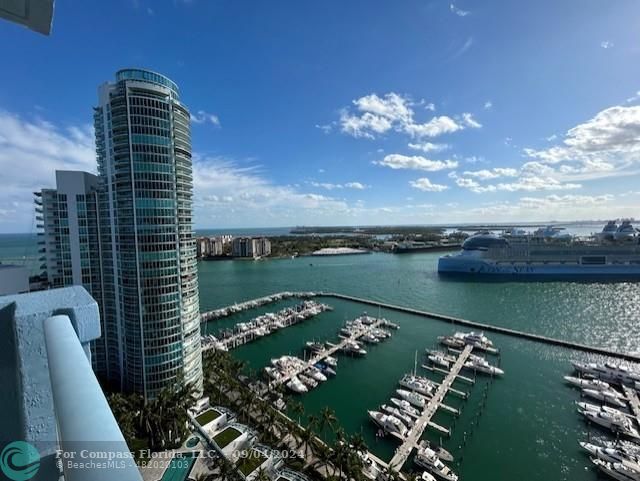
{"x":348,"y":112}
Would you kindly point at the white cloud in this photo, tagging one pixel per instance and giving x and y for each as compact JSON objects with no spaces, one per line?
{"x":606,"y":44}
{"x":347,"y":185}
{"x":393,"y":106}
{"x":433,"y":128}
{"x":488,"y":105}
{"x":202,"y":117}
{"x":606,"y":145}
{"x":364,"y":126}
{"x":428,"y":147}
{"x":227,"y":193}
{"x":459,"y":12}
{"x":486,"y":174}
{"x":30,"y":152}
{"x":373,"y":115}
{"x":415,"y":162}
{"x":426,"y":185}
{"x":430,"y":106}
{"x":468,"y":119}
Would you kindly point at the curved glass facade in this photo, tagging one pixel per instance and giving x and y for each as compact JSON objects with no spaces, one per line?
{"x":152,"y":328}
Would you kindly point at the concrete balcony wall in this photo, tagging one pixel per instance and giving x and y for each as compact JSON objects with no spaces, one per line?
{"x":43,"y":336}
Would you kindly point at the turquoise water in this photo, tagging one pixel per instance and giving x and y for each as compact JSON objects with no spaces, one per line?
{"x":524,"y":428}
{"x":179,"y":467}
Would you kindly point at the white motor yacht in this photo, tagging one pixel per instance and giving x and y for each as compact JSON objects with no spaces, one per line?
{"x":370,"y":338}
{"x":396,"y":412}
{"x":616,"y":470}
{"x":477,"y":340}
{"x":617,"y":373}
{"x":331,"y":361}
{"x":612,"y":397}
{"x":352,"y":347}
{"x":417,"y":383}
{"x":297,"y":386}
{"x":608,"y":409}
{"x":405,"y":407}
{"x":316,"y":374}
{"x":582,"y":383}
{"x":388,"y":423}
{"x":615,"y":423}
{"x":308,"y":381}
{"x":482,"y":365}
{"x":428,"y":459}
{"x":612,"y":455}
{"x":414,"y":398}
{"x":439,"y":360}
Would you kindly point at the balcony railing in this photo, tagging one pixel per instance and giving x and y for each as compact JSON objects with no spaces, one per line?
{"x":84,"y":419}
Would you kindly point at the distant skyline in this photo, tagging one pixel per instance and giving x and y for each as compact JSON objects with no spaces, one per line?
{"x":348,"y":113}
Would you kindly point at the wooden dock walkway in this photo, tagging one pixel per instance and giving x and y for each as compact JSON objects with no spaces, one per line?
{"x":327,"y":352}
{"x":415,"y":433}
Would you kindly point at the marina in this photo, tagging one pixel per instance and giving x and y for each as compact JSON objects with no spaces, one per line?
{"x":262,"y":326}
{"x":252,"y":304}
{"x":322,"y":355}
{"x":610,"y":385}
{"x":529,"y":416}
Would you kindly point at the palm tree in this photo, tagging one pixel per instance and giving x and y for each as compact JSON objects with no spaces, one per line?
{"x":297,"y":408}
{"x":327,"y":419}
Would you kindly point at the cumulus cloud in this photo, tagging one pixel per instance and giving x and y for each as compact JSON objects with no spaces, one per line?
{"x":30,"y":152}
{"x":202,"y":117}
{"x":426,"y":185}
{"x":606,"y":145}
{"x":488,"y":105}
{"x":415,"y":162}
{"x":606,"y":44}
{"x":373,"y":115}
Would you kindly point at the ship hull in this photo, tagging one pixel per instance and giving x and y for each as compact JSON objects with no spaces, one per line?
{"x":469,"y":267}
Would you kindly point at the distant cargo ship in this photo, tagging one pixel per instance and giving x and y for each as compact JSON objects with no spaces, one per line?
{"x":549,"y":253}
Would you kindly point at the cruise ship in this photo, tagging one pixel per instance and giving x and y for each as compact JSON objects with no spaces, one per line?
{"x":549,"y":253}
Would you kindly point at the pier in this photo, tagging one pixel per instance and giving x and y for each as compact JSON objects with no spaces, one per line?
{"x":415,"y":433}
{"x":327,"y":352}
{"x":308,"y":309}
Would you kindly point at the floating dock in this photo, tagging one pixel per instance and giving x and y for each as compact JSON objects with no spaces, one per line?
{"x":327,"y":352}
{"x":415,"y":433}
{"x":249,"y":335}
